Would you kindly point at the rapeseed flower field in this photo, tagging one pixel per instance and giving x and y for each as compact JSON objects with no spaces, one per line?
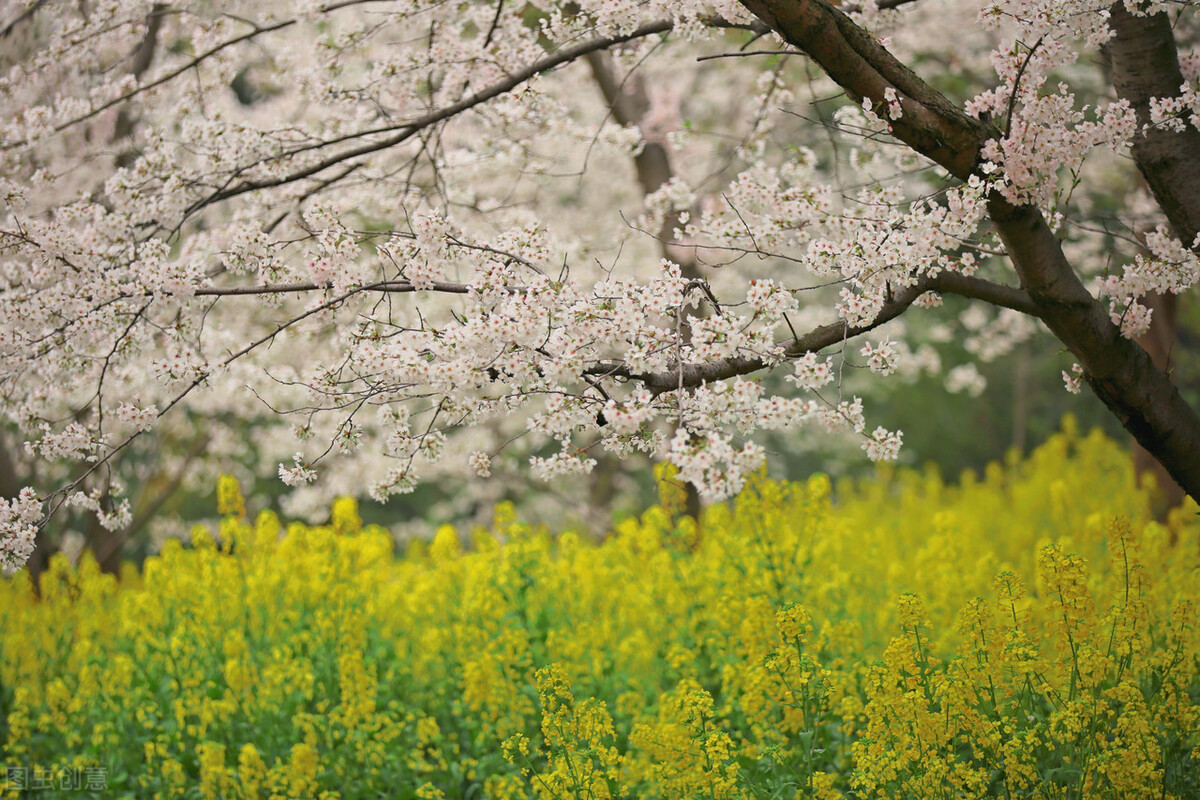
{"x":1030,"y":634}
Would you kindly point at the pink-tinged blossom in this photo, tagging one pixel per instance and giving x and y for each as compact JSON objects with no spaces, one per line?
{"x":299,"y":473}
{"x":1073,"y":379}
{"x":564,"y":462}
{"x":881,"y":358}
{"x":1133,"y":318}
{"x":894,"y":109}
{"x":138,"y":419}
{"x":811,"y":372}
{"x":859,"y":309}
{"x":883,"y":445}
{"x":480,"y":463}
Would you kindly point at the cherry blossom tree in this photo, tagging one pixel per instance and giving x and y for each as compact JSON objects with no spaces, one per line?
{"x":379,"y":242}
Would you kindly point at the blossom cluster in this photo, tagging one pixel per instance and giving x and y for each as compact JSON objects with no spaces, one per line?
{"x":1045,"y":130}
{"x":18,"y":529}
{"x":412,"y":238}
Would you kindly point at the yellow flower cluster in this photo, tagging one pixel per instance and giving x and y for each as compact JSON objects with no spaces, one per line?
{"x":1028,"y":635}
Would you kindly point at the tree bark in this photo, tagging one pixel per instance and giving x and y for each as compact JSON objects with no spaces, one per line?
{"x":1145,"y":65}
{"x":1159,"y":341}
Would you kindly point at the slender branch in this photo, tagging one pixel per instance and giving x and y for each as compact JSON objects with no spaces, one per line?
{"x":24,"y":15}
{"x":142,"y":89}
{"x":65,"y":492}
{"x":395,"y":287}
{"x":407,"y":130}
{"x":745,"y":53}
{"x":487,"y":40}
{"x":195,"y":62}
{"x":677,"y":376}
{"x":151,"y":509}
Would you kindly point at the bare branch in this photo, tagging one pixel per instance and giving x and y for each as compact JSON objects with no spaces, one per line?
{"x":746,"y":53}
{"x":395,"y":287}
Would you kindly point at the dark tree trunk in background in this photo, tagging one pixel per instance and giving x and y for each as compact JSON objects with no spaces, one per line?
{"x":1159,"y":342}
{"x":629,"y":103}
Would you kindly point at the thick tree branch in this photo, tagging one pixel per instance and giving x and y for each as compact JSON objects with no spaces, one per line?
{"x":997,"y":294}
{"x":143,"y":57}
{"x":856,"y":61}
{"x":1145,"y":65}
{"x":824,"y":336}
{"x":690,"y":375}
{"x":629,"y":103}
{"x":24,"y":15}
{"x":9,"y":485}
{"x":1160,"y":342}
